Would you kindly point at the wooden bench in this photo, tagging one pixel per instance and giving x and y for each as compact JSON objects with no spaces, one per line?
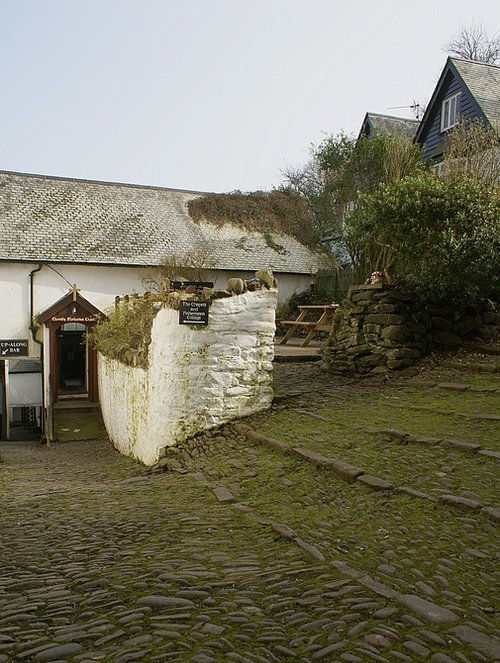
{"x":283,"y":325}
{"x":293,"y":323}
{"x":325,"y":313}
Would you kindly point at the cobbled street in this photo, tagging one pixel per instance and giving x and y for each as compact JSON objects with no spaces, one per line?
{"x":352,"y":522}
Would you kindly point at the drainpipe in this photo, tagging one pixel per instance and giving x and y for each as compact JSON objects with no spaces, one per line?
{"x":32,"y":301}
{"x":4,"y":412}
{"x":33,"y":335}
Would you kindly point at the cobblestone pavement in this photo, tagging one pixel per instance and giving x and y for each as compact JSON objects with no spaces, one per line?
{"x":254,"y":554}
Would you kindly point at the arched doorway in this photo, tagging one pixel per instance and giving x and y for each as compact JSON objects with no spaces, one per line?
{"x":71,"y":362}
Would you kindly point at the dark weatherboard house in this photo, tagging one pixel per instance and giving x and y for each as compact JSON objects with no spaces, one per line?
{"x":466,"y":90}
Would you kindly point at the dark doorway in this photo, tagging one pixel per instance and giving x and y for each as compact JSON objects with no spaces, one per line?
{"x":72,"y":353}
{"x":72,"y":360}
{"x":26,"y":423}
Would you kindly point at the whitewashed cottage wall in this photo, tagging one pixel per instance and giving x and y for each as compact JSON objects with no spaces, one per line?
{"x":198,"y":377}
{"x":97,"y":283}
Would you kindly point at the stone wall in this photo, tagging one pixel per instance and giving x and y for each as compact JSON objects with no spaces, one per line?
{"x":198,"y":377}
{"x":377,"y":329}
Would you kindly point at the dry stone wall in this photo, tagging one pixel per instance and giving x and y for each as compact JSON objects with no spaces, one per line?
{"x":198,"y":377}
{"x":377,"y":329}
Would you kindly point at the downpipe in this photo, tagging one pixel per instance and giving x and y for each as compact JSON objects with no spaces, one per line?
{"x":33,"y":330}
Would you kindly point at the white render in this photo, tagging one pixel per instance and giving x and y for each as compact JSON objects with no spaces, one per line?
{"x":198,"y":377}
{"x":98,"y":284}
{"x":25,"y":389}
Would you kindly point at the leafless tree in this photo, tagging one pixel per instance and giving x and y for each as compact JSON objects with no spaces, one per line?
{"x":474,"y":43}
{"x":193,"y":265}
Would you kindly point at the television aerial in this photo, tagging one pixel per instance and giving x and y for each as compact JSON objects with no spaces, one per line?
{"x":415,"y":107}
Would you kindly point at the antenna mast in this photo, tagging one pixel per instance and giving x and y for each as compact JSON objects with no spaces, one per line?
{"x":416,"y":108}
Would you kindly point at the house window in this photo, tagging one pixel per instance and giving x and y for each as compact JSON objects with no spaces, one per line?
{"x":450,"y":112}
{"x":439,"y":168}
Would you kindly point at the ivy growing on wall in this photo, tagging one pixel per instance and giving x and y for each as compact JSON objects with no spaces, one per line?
{"x":278,"y":212}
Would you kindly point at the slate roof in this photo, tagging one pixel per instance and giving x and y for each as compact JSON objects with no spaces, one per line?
{"x":388,"y":124}
{"x":54,"y":219}
{"x":483,"y":80}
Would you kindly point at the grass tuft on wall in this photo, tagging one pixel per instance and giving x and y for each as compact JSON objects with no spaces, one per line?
{"x":125,"y":334}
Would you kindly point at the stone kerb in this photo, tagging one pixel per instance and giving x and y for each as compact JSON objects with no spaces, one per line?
{"x":198,"y":377}
{"x":377,"y":329}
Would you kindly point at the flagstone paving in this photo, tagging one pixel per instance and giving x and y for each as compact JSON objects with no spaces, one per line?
{"x":256,"y":554}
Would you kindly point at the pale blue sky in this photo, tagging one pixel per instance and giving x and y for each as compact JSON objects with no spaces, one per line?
{"x":211,"y":95}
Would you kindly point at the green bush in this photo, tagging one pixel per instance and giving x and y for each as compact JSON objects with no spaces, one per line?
{"x":125,"y":334}
{"x":340,"y":169}
{"x":441,"y":235}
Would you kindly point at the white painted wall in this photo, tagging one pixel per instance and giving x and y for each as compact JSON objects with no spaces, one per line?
{"x":98,"y":284}
{"x":198,"y":378}
{"x":25,"y":389}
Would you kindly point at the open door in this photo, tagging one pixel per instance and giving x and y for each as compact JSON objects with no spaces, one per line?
{"x":72,"y":359}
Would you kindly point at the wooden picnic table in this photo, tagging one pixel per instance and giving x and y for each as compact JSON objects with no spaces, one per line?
{"x":325,"y":312}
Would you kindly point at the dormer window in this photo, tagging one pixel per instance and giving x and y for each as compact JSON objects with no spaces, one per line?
{"x":450,"y":112}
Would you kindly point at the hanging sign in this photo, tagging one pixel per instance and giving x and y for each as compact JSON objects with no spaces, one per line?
{"x":192,"y":312}
{"x":17,"y":347}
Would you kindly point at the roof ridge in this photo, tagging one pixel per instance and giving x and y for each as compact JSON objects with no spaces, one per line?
{"x":393,"y":117}
{"x":104,"y":182}
{"x":485,"y":64}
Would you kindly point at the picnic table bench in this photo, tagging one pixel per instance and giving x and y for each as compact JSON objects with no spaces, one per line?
{"x":324,"y":323}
